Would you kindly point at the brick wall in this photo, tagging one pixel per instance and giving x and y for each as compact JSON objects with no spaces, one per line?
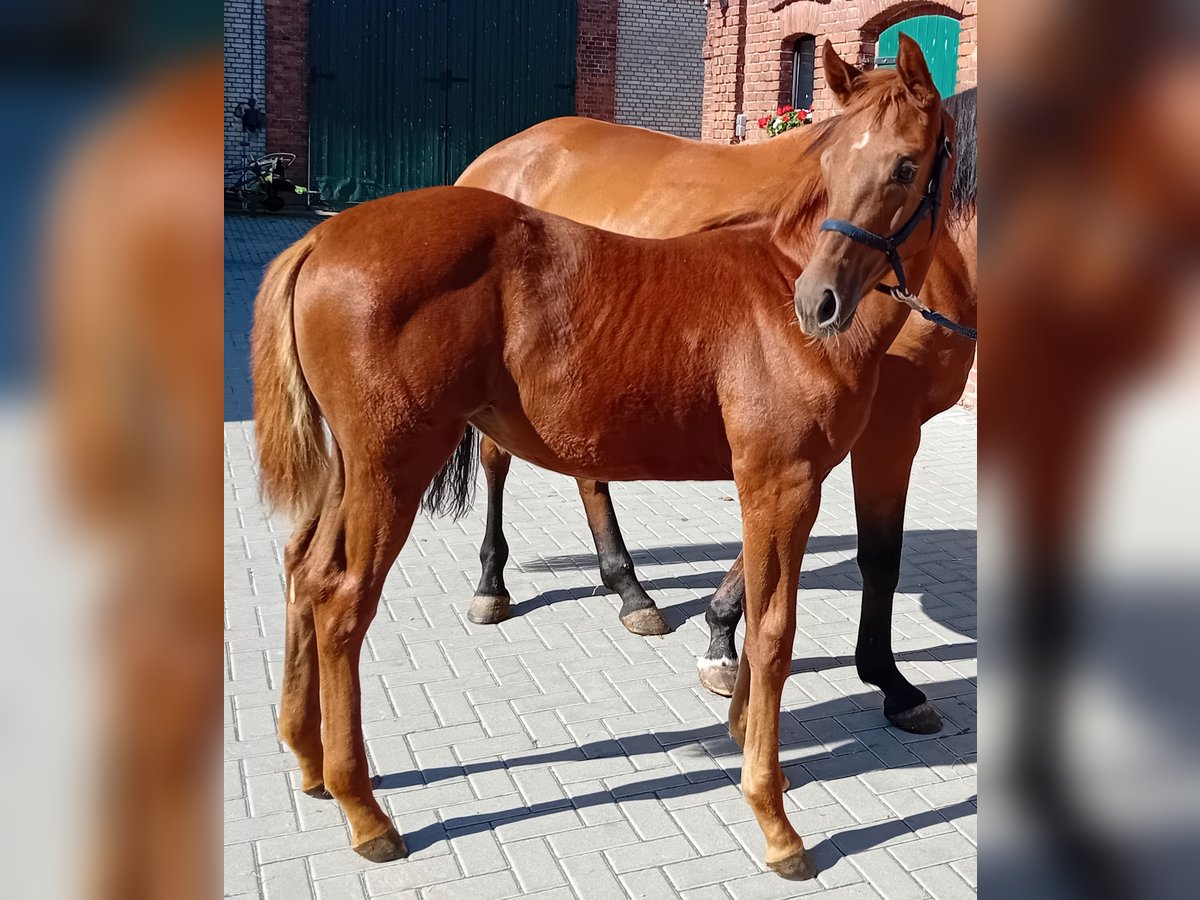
{"x":747,"y":51}
{"x":660,"y":67}
{"x":245,"y":74}
{"x":287,"y":81}
{"x":596,"y":59}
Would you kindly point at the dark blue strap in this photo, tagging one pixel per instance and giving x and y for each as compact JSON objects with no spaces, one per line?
{"x":938,"y":319}
{"x":852,"y":231}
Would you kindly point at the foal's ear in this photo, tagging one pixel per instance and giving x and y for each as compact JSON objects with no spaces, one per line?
{"x":915,"y":72}
{"x":839,"y":74}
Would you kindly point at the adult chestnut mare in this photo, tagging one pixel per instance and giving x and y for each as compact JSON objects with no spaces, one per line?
{"x":648,"y":184}
{"x":401,"y":321}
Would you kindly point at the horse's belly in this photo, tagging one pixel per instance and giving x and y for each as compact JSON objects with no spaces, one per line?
{"x":613,"y":448}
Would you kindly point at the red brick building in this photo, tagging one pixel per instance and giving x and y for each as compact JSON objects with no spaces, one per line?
{"x":752,"y":49}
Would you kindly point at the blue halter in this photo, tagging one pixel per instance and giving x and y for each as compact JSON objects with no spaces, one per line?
{"x":931,"y":203}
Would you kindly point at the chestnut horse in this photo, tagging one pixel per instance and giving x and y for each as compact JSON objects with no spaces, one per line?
{"x":648,"y":184}
{"x":398,"y":323}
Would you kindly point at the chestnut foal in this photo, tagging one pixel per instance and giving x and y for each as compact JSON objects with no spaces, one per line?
{"x":649,"y":184}
{"x":401,"y":321}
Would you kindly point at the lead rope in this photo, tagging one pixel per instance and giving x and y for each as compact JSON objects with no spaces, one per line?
{"x":914,"y":302}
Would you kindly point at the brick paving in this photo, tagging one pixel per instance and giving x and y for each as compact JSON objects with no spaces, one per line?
{"x":558,"y":756}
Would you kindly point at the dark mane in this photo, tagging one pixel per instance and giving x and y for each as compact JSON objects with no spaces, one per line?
{"x":962,"y":108}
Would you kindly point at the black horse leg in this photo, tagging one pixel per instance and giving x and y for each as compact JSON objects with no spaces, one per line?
{"x":881,"y":479}
{"x":638,"y":612}
{"x":492,"y":602}
{"x":718,"y":666}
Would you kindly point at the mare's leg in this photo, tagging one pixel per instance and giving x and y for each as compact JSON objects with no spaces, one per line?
{"x":300,"y":705}
{"x":719,"y":664}
{"x":638,"y":612}
{"x":778,"y":511}
{"x":881,"y":462}
{"x":356,"y":541}
{"x":492,"y":601}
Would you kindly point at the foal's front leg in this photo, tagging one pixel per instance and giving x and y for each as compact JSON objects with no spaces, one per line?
{"x":778,"y":511}
{"x":638,"y":612}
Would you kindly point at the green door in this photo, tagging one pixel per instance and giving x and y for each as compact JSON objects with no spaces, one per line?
{"x":938,"y":38}
{"x":405,"y":95}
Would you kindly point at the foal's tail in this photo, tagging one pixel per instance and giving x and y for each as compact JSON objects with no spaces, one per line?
{"x":292,"y":455}
{"x":452,"y":490}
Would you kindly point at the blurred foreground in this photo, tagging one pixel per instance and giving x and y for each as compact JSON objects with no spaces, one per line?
{"x":1089,"y":417}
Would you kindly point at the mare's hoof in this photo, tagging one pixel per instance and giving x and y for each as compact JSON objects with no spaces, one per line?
{"x":719,"y":676}
{"x":797,"y":867}
{"x":646,"y":622}
{"x":385,"y":848}
{"x":318,"y":792}
{"x":920,"y":719}
{"x":488,"y":610}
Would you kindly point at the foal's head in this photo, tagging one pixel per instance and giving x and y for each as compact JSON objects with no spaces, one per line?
{"x":877,"y":162}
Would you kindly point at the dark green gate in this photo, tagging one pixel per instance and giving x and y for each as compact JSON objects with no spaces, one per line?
{"x":938,"y":38}
{"x":405,"y":94}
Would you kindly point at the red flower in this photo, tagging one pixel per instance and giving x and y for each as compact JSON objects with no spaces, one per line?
{"x":785,"y":109}
{"x":762,"y":123}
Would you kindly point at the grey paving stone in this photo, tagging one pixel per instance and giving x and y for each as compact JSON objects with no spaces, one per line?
{"x":287,"y":880}
{"x":533,"y":864}
{"x":709,"y":869}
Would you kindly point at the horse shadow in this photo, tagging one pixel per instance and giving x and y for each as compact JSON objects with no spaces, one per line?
{"x":714,"y":763}
{"x":930,"y":557}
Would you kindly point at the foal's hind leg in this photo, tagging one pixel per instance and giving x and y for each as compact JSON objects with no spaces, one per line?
{"x":300,"y":705}
{"x":638,"y":613}
{"x":492,"y":601}
{"x":355,"y":544}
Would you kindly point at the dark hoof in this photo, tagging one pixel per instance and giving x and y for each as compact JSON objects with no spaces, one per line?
{"x":646,"y":622}
{"x":318,"y":792}
{"x":385,"y":848}
{"x":718,"y":677}
{"x":797,"y":867}
{"x":920,"y":719}
{"x":488,"y":610}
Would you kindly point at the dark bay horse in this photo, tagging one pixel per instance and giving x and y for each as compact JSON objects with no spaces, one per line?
{"x":648,"y":184}
{"x":398,"y":323}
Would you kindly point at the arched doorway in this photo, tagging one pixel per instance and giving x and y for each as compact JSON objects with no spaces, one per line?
{"x":938,"y":37}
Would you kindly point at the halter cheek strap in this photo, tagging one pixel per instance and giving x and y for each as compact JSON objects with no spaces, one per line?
{"x":931,"y":204}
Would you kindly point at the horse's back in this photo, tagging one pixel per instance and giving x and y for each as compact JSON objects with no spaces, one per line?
{"x":593,"y":172}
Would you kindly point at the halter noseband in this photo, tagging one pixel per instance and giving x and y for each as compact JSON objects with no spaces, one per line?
{"x":931,"y":203}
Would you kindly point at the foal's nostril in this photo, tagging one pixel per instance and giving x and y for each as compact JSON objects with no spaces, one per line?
{"x":828,"y":310}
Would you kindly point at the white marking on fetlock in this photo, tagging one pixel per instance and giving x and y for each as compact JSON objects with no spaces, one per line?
{"x":291,"y":592}
{"x":723,"y":663}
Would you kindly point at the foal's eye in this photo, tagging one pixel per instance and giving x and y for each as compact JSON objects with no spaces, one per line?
{"x":906,"y":171}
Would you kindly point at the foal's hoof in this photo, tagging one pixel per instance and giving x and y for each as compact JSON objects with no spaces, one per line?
{"x":797,"y":867}
{"x":920,"y":719}
{"x":318,"y":792}
{"x":646,"y":622}
{"x":489,"y":610}
{"x":718,"y":675}
{"x":385,"y":848}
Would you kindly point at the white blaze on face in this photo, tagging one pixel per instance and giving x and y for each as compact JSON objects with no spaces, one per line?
{"x":862,"y":141}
